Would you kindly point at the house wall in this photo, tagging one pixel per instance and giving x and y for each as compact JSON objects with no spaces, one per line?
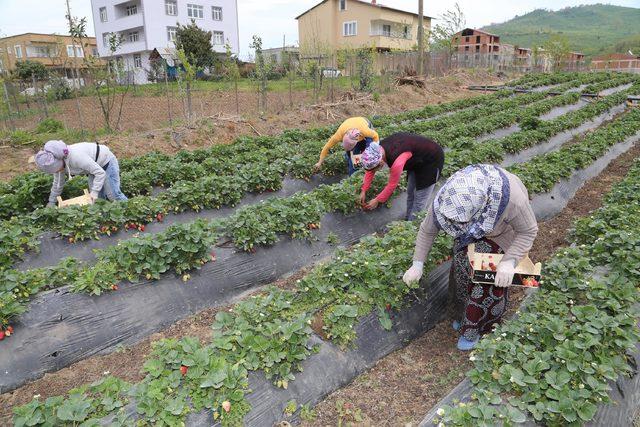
{"x":55,"y":42}
{"x":325,"y":24}
{"x":152,"y":21}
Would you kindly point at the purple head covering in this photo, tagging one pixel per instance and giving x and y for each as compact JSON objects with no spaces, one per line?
{"x":372,"y":156}
{"x":50,"y":158}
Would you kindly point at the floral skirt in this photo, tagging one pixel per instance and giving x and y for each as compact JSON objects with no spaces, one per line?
{"x":477,"y":307}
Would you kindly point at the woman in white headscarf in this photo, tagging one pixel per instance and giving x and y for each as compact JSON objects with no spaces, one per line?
{"x":85,"y":158}
{"x":488,"y":206}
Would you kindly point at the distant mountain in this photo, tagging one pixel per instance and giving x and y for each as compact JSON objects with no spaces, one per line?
{"x":591,"y":29}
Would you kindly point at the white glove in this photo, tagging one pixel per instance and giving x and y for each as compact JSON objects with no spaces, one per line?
{"x":94,"y":196}
{"x":414,"y":273}
{"x":504,"y":273}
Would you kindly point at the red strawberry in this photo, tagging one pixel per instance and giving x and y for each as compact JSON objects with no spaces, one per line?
{"x":10,"y":329}
{"x":141,"y":228}
{"x":492,"y":266}
{"x":159,"y":217}
{"x":114,"y":287}
{"x":183,"y":370}
{"x":1,"y":335}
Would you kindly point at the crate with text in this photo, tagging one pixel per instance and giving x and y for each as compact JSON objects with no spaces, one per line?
{"x":485,"y":265}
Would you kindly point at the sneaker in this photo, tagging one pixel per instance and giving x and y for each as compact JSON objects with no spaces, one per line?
{"x":456,"y":325}
{"x":466,"y":345}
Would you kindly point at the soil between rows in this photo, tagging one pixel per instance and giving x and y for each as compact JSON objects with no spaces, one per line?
{"x":402,"y":387}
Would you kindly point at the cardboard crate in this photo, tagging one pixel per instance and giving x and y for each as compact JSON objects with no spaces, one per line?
{"x":485,"y":265}
{"x":80,"y":201}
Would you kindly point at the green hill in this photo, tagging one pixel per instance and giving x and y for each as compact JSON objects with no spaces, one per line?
{"x":592,"y":29}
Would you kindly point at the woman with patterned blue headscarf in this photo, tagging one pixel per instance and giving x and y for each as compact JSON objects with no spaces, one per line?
{"x":487,"y":206}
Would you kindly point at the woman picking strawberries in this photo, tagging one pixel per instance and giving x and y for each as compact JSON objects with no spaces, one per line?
{"x":421,"y":157}
{"x":355,"y":134}
{"x":488,"y":206}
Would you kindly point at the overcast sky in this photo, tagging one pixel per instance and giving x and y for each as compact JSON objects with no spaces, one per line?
{"x":273,"y":19}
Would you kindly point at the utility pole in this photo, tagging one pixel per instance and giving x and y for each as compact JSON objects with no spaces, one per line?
{"x":75,"y":66}
{"x":420,"y":37}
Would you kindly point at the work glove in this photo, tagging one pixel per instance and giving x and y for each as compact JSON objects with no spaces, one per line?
{"x":94,"y":196}
{"x":413,"y":274}
{"x":505,"y":272}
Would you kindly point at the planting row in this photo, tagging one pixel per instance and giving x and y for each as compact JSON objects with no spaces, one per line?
{"x":79,"y":223}
{"x":271,"y":332}
{"x":533,"y":132}
{"x":139,"y":174}
{"x":181,"y":248}
{"x":555,"y":363}
{"x":534,"y":80}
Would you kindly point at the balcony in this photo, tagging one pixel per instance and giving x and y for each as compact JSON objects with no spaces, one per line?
{"x":389,"y":34}
{"x":126,"y":23}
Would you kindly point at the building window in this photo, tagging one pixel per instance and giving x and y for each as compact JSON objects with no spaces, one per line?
{"x":405,"y":32}
{"x":134,"y":36}
{"x":218,"y":38}
{"x":103,"y":14}
{"x":466,"y":39}
{"x":79,"y":53}
{"x":132,"y":10}
{"x":137,"y":60}
{"x":105,"y":40}
{"x":216,"y":13}
{"x":386,"y":30}
{"x":195,"y":11}
{"x":343,"y":4}
{"x":171,"y":34}
{"x":350,"y":28}
{"x":171,"y":7}
{"x":41,"y":52}
{"x":466,"y":48}
{"x":18,"y":50}
{"x":477,"y":39}
{"x":94,"y":52}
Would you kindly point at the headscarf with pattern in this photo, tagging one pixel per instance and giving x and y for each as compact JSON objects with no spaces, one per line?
{"x":471,"y":202}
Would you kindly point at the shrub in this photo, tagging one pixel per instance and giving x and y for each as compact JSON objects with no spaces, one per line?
{"x":49,"y":125}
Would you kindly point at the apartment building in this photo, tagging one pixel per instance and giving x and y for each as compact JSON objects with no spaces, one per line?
{"x":339,"y":24}
{"x":145,"y":25}
{"x":626,"y":62}
{"x":56,"y":52}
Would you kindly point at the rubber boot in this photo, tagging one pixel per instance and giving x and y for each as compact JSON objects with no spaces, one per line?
{"x":466,"y":345}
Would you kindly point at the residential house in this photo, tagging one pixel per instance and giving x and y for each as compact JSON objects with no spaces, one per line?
{"x":476,"y":42}
{"x":145,"y":25}
{"x":58,"y":53}
{"x":616,"y":62}
{"x":332,"y":25}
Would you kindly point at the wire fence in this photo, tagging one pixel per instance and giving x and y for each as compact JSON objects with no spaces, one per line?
{"x":310,"y":80}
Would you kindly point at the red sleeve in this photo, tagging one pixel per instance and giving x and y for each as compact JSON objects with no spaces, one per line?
{"x":394,"y":177}
{"x":368,"y":179}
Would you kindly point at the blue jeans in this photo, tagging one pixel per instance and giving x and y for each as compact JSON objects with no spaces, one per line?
{"x":358,"y":149}
{"x":111,"y":188}
{"x":416,"y":199}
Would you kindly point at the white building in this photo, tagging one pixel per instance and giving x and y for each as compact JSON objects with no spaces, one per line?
{"x":145,"y":25}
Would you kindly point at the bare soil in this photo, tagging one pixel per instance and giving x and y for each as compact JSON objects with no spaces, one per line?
{"x":145,"y":122}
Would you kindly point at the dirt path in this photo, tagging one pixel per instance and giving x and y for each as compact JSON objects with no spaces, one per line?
{"x":145,"y":125}
{"x":405,"y":385}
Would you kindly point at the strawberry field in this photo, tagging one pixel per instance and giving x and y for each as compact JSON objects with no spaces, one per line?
{"x":204,"y":227}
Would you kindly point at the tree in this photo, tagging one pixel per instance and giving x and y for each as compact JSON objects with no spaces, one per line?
{"x":26,"y":70}
{"x":262,"y":71}
{"x":196,"y":45}
{"x":556,"y":48}
{"x":186,"y":74}
{"x":451,"y":23}
{"x":231,"y":71}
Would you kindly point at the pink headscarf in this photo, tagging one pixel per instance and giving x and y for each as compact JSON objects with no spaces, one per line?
{"x":350,"y":139}
{"x":51,"y":158}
